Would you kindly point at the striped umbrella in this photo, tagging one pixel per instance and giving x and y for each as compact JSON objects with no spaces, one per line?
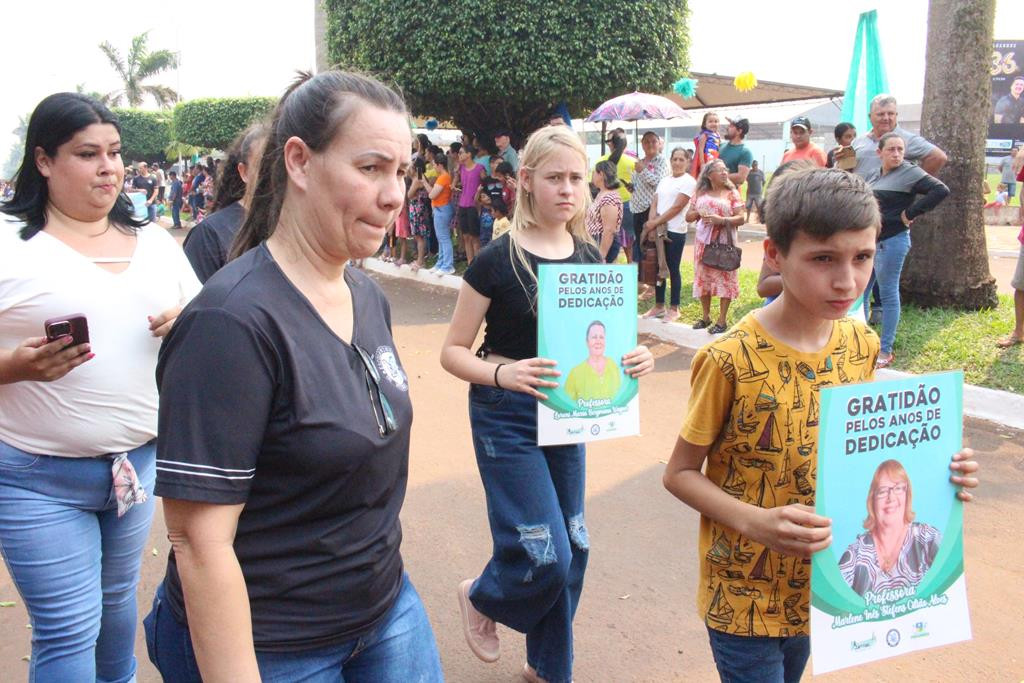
{"x":637,"y":106}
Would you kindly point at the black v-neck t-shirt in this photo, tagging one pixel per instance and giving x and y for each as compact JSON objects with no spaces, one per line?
{"x":261,"y":404}
{"x":511,"y":318}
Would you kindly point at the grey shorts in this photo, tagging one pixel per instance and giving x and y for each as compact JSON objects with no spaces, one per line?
{"x":1018,"y":275}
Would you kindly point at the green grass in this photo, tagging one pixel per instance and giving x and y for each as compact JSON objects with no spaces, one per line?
{"x":928,"y":340}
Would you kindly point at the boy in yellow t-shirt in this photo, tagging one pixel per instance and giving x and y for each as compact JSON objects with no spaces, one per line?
{"x":753,"y":416}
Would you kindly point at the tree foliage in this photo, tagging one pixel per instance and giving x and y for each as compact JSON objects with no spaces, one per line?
{"x":144,"y":134}
{"x":17,"y":151}
{"x":489,"y":64}
{"x":214,"y":122}
{"x":140,"y":65}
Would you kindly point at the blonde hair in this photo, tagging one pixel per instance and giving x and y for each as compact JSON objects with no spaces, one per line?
{"x":895,"y":471}
{"x":540,"y":147}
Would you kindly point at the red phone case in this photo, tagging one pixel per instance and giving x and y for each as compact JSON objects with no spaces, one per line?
{"x":79,"y":328}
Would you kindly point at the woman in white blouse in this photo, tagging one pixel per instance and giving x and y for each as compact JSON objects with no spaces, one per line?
{"x":78,"y":418}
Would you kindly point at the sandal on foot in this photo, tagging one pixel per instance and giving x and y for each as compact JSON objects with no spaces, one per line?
{"x":670,"y":316}
{"x":717,"y":329}
{"x":1009,"y":341}
{"x":480,"y":632}
{"x":883,"y":363}
{"x":701,"y":324}
{"x":653,"y":313}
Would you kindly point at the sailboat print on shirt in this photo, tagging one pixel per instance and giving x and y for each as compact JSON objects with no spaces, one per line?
{"x":812,"y":412}
{"x":858,"y":347}
{"x":803,"y":484}
{"x":766,"y":400}
{"x":720,"y":611}
{"x":769,"y":441}
{"x":773,"y":601}
{"x":749,"y":366}
{"x":724,"y":361}
{"x":735,"y":485}
{"x":747,"y":420}
{"x":762,"y":570}
{"x":720,"y":550}
{"x":806,"y":444}
{"x":752,"y":623}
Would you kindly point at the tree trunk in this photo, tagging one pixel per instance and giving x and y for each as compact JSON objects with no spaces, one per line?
{"x":320,"y":35}
{"x":948,"y":264}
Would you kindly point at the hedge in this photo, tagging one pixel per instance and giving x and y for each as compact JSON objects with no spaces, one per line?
{"x":214,"y":122}
{"x":144,"y":134}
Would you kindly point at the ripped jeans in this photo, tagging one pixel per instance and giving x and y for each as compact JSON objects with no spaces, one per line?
{"x":533,"y":580}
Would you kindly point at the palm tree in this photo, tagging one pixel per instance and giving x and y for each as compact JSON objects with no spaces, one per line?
{"x":140,"y":65}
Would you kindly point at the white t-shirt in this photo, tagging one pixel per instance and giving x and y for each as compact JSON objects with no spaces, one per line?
{"x":109,"y":403}
{"x":669,"y":188}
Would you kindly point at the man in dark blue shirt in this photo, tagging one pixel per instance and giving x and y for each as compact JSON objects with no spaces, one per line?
{"x":176,"y":199}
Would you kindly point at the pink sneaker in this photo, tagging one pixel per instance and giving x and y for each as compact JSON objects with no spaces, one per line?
{"x":480,"y":632}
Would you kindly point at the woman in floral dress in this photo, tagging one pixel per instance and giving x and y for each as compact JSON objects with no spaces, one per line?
{"x":718,"y":206}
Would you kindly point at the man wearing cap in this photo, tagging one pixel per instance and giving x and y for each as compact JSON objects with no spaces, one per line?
{"x":803,"y":148}
{"x":735,"y":154}
{"x":505,"y":149}
{"x":883,"y":114}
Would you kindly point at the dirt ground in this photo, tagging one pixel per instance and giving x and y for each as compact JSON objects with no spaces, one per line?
{"x":637,"y":620}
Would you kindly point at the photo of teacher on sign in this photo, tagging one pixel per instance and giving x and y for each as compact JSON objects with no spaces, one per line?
{"x":598,"y":377}
{"x":895,"y":551}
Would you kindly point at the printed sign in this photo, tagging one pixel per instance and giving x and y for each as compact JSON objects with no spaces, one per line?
{"x":586,"y":321}
{"x":1007,"y":71}
{"x":893,"y":579}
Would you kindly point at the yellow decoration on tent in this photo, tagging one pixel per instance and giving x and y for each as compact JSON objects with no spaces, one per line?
{"x":745,"y":82}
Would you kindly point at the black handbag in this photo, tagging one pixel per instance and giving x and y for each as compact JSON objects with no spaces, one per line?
{"x":722,"y":255}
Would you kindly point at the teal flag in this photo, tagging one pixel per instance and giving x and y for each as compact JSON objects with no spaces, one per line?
{"x":867,"y":73}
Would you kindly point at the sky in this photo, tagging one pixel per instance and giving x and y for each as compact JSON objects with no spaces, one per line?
{"x":253,"y":47}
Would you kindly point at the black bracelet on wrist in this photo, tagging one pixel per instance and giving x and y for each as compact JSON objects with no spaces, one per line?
{"x":499,"y":366}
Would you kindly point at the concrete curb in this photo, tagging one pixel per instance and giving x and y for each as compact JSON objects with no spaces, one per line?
{"x":1001,"y":407}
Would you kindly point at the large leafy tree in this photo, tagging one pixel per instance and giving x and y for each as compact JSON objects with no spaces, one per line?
{"x":140,"y":64}
{"x":948,"y":265}
{"x":489,"y":64}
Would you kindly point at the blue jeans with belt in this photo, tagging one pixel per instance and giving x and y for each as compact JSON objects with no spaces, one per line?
{"x":534,"y":578}
{"x":400,"y":648}
{"x":74,"y":562}
{"x":889,"y":258}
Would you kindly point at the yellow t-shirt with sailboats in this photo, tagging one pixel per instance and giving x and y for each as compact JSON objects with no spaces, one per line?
{"x":755,"y":400}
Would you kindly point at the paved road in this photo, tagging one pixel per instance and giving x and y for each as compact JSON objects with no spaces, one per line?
{"x":637,"y":619}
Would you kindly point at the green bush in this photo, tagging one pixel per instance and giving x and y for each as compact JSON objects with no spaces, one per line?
{"x":144,"y":134}
{"x":488,"y":64}
{"x":214,"y":122}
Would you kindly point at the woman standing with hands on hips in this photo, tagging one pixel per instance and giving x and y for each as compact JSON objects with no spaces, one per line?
{"x":897,"y":185}
{"x":284,"y":443}
{"x":534,"y":578}
{"x":77,"y":417}
{"x":717,"y":205}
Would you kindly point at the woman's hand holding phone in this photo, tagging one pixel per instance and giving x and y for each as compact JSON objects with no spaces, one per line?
{"x":39,"y":360}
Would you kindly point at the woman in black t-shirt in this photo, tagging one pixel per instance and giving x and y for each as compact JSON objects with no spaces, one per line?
{"x":534,"y":578}
{"x":283,"y":443}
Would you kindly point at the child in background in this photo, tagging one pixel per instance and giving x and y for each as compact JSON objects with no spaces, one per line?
{"x":486,"y":218}
{"x":706,"y":144}
{"x":822,"y":226}
{"x":501,"y":221}
{"x":843,"y":157}
{"x":1002,"y":197}
{"x":507,"y":175}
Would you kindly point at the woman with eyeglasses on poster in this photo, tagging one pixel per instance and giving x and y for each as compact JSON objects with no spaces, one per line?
{"x":285,"y":420}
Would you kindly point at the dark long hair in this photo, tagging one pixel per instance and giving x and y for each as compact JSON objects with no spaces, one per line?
{"x":230,"y":186}
{"x":55,"y":120}
{"x":313,"y":109}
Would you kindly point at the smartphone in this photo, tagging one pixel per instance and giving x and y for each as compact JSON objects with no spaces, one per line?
{"x":73,"y":324}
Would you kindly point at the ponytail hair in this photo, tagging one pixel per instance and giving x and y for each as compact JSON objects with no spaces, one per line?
{"x":230,"y":186}
{"x":313,"y":109}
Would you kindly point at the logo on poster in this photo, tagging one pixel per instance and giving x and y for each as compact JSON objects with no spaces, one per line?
{"x":863,"y":644}
{"x":919,"y":630}
{"x":595,"y":430}
{"x":892,"y":638}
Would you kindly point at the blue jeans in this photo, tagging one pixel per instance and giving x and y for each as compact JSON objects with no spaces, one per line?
{"x":443,"y":230}
{"x":151,"y":213}
{"x":400,"y":648}
{"x":176,"y":213}
{"x":674,"y":257}
{"x":889,"y":258}
{"x":759,"y":659}
{"x":534,"y":578}
{"x":74,"y":562}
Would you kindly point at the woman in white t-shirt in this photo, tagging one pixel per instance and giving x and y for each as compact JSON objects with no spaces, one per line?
{"x":78,"y":418}
{"x":667,"y":218}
